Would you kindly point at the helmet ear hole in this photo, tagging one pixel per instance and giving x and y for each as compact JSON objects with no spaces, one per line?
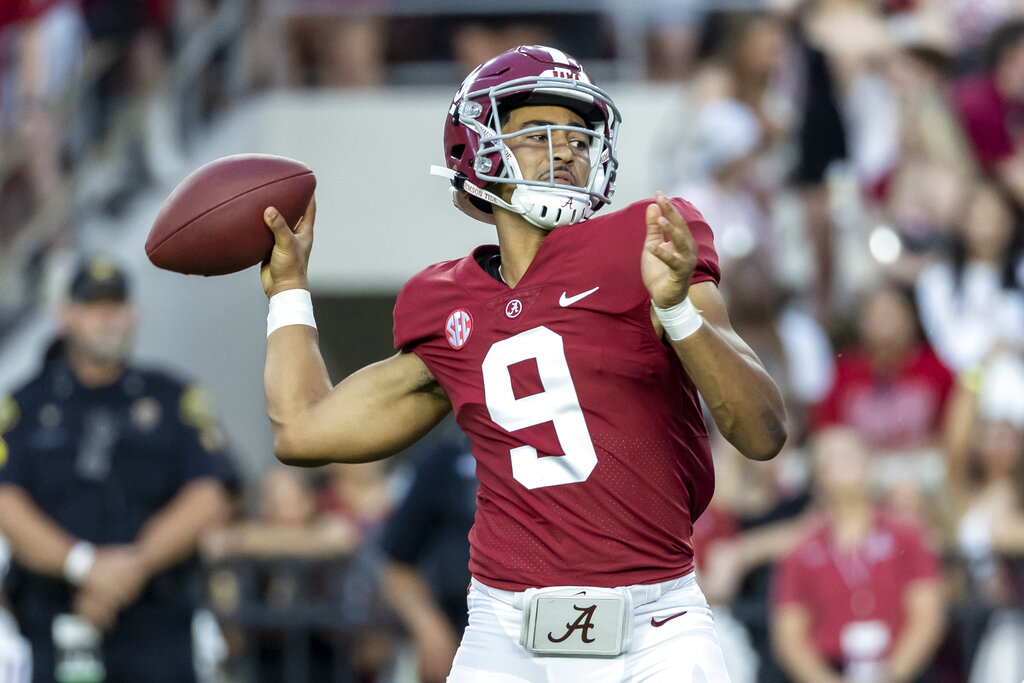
{"x":457,"y":151}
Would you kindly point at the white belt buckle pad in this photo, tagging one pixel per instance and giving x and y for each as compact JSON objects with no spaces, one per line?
{"x":579,"y":621}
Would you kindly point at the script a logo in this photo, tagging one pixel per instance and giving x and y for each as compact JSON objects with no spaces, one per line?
{"x":582,"y":623}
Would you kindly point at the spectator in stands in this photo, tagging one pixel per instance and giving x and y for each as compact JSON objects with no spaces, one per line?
{"x":288,"y":526}
{"x":474,"y":40}
{"x":755,"y":518}
{"x":820,"y":137}
{"x":726,"y":138}
{"x":860,"y":599}
{"x":927,"y":189}
{"x":342,"y":45}
{"x":973,"y":22}
{"x":985,"y":451}
{"x":972,"y":300}
{"x":289,"y":523}
{"x":854,"y":36}
{"x":45,"y":41}
{"x":360,"y":494}
{"x":889,"y":384}
{"x":741,"y":59}
{"x":671,"y":32}
{"x":144,"y":34}
{"x":426,"y":574}
{"x":744,"y":63}
{"x":892,"y":389}
{"x":990,"y":106}
{"x":112,"y":474}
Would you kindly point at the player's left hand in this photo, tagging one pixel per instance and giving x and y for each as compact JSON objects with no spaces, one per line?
{"x":670,"y":254}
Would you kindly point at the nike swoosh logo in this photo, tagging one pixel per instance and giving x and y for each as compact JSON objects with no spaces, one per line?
{"x":564,"y":300}
{"x":661,"y":622}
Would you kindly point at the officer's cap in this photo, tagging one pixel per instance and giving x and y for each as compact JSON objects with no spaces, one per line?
{"x":99,"y":278}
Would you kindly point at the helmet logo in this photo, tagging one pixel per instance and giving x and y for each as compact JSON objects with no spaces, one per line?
{"x":568,"y":202}
{"x":458,"y":328}
{"x":470,"y":109}
{"x":568,"y":75}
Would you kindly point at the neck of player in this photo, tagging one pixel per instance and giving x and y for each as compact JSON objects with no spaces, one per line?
{"x":518,"y":241}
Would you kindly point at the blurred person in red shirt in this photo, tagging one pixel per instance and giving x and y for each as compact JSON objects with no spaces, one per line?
{"x":892,"y":389}
{"x":890,"y":386}
{"x":860,"y":599}
{"x":990,"y":106}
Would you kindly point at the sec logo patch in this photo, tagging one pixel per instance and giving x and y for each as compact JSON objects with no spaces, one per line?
{"x":458,"y":328}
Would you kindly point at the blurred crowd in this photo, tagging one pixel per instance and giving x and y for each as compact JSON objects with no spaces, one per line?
{"x":862,"y":165}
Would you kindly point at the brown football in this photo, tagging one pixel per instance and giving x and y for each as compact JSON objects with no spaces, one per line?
{"x":212,"y":224}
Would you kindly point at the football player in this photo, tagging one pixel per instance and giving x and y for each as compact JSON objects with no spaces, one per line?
{"x":572,"y":353}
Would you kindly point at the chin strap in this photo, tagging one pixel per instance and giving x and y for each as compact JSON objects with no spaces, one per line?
{"x":472,"y":189}
{"x":528,"y":201}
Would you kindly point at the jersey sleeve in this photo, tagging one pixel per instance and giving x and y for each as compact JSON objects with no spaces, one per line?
{"x":422,"y":305}
{"x":408,"y":328}
{"x":708,"y":269}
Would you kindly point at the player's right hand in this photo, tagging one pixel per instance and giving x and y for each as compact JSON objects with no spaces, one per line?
{"x":286,"y":267}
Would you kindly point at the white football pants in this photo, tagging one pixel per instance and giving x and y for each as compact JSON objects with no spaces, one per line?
{"x":682,"y":648}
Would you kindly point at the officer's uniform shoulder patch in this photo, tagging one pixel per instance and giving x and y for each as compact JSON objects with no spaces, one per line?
{"x":195,"y":408}
{"x":9,"y":413}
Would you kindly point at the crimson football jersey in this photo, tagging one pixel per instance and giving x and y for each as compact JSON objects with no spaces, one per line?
{"x":592,"y":452}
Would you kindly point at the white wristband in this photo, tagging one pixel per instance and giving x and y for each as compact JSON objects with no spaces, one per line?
{"x":290,"y":307}
{"x":681,"y":320}
{"x":78,"y":562}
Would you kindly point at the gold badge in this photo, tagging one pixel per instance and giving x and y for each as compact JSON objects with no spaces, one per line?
{"x":146,"y":414}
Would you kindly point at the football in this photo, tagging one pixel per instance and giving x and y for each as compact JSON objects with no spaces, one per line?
{"x":212,"y":223}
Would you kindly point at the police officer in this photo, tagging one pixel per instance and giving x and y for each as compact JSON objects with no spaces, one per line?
{"x":108,"y":475}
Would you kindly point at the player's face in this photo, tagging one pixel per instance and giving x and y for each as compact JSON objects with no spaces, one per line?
{"x":566,"y":160}
{"x":102,"y":330}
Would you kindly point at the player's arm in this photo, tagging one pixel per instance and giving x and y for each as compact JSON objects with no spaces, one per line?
{"x":375,"y":412}
{"x":742,"y":398}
